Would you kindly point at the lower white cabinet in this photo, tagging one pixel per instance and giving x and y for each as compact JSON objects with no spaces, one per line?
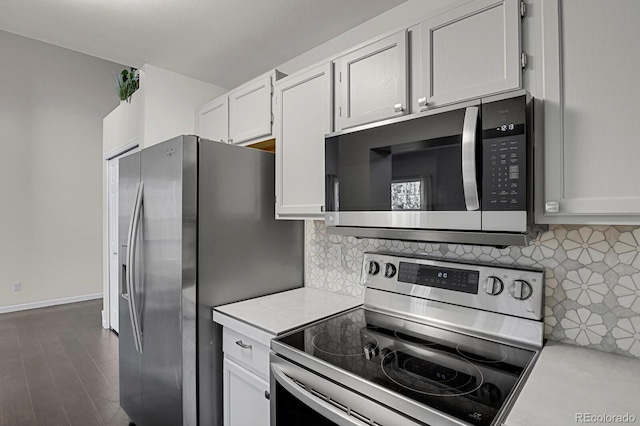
{"x":245,"y":397}
{"x":245,"y":379}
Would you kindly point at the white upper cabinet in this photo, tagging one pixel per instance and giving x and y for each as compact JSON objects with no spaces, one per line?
{"x":371,"y":82}
{"x":470,"y":51}
{"x":243,"y":116}
{"x":212,"y":120}
{"x":302,"y":105}
{"x":590,"y":86}
{"x":250,"y":111}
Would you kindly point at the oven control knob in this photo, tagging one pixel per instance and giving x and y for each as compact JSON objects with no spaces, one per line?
{"x":493,"y":285}
{"x":389,"y":270}
{"x":520,"y":289}
{"x":373,"y":267}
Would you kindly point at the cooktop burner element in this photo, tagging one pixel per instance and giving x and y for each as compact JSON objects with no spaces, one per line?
{"x":449,"y":354}
{"x":450,"y":377}
{"x":409,"y":336}
{"x":482,"y":352}
{"x":347,"y":341}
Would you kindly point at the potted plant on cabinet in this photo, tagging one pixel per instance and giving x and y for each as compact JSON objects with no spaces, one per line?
{"x":127,"y":83}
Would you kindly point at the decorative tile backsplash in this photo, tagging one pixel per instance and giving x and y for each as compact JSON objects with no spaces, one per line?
{"x":592,"y":276}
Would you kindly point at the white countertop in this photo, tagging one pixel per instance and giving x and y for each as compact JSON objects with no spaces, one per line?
{"x":569,"y":381}
{"x":278,"y":313}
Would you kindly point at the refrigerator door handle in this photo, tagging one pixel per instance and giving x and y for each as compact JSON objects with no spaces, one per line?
{"x":133,"y":239}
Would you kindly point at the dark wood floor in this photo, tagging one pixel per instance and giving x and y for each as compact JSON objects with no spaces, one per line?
{"x":58,"y":366}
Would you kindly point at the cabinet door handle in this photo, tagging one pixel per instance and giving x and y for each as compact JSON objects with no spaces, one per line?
{"x":398,"y":108}
{"x":422,"y":102}
{"x":552,"y":207}
{"x":267,"y":395}
{"x":243,"y":345}
{"x":230,"y":140}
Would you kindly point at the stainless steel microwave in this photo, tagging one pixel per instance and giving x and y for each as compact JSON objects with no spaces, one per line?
{"x":461,"y":173}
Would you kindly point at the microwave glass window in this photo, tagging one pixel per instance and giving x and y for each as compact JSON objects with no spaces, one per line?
{"x":414,"y":194}
{"x":411,"y":166}
{"x":406,"y":195}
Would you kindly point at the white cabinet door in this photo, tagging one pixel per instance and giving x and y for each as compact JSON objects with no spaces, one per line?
{"x":372,"y":82}
{"x":303,"y":116}
{"x":591,"y":89}
{"x":245,"y":397}
{"x":212,"y":120}
{"x":250,"y":111}
{"x":471,"y":51}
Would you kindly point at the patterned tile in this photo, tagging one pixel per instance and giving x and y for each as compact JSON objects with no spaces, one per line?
{"x":586,"y":245}
{"x":585,"y":287}
{"x":592,"y":274}
{"x":628,"y":248}
{"x":627,"y":334}
{"x":628,"y":292}
{"x":583,"y":326}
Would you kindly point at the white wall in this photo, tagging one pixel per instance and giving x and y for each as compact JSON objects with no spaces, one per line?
{"x":169,"y":103}
{"x":52,"y":102}
{"x":404,"y":15}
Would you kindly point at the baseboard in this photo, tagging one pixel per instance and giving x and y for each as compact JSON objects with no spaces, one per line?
{"x":53,"y":302}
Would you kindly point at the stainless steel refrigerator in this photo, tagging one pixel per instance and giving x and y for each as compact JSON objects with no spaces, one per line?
{"x":197,"y":229}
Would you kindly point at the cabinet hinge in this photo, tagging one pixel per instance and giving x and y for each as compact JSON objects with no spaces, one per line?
{"x":523,"y":60}
{"x":272,"y":119}
{"x":523,"y":9}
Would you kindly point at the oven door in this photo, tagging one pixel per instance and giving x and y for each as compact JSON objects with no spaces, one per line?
{"x":417,"y":173}
{"x":299,"y":397}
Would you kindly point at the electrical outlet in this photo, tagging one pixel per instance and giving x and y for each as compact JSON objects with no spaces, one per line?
{"x":335,"y":254}
{"x":17,"y":286}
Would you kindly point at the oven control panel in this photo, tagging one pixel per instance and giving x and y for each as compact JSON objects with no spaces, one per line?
{"x":491,"y":287}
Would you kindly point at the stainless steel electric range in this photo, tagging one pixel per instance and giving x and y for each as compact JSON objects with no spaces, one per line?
{"x":436,"y":343}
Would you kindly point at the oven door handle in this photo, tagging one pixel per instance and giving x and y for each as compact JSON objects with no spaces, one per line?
{"x":469,"y":176}
{"x":316,"y":403}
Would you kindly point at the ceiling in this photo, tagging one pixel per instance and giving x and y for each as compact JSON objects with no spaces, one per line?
{"x":224,"y":42}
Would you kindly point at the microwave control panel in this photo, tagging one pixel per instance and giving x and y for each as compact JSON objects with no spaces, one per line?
{"x":504,"y":155}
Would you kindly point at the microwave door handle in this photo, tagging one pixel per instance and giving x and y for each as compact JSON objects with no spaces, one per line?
{"x":469,"y":176}
{"x":319,"y":405}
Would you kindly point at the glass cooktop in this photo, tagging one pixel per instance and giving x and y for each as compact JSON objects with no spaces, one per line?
{"x":466,"y":377}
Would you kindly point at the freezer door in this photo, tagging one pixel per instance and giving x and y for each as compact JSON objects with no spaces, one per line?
{"x":168,"y":231}
{"x":129,"y":356}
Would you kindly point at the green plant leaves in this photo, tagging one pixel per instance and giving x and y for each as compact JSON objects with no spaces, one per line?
{"x":127,"y":83}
